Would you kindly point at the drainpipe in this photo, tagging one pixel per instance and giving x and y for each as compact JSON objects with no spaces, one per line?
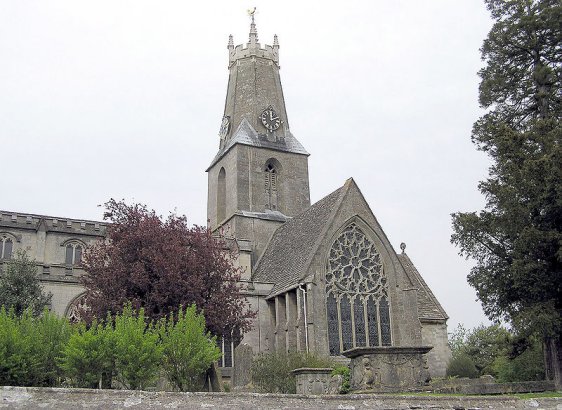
{"x":305,"y":317}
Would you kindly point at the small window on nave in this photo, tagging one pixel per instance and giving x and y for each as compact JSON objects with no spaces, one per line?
{"x":6,"y":247}
{"x":73,"y":254}
{"x":357,"y":306}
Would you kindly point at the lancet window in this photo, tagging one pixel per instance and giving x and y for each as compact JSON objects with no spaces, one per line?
{"x":357,"y":305}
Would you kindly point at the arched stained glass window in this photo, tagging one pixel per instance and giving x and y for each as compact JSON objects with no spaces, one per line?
{"x":357,"y":305}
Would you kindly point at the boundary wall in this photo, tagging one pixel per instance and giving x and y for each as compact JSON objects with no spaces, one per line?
{"x":66,"y":399}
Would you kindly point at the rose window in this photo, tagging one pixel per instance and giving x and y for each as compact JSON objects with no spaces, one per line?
{"x":356,"y":291}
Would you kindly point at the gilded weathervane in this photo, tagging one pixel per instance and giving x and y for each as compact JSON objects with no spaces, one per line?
{"x":251,"y":14}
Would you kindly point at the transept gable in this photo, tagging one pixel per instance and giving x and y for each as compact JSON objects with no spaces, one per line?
{"x":301,"y":245}
{"x":286,"y":256}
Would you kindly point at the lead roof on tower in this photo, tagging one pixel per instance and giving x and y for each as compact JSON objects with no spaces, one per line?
{"x":247,"y":135}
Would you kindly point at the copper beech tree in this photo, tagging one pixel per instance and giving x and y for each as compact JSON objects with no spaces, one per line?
{"x":161,"y":264}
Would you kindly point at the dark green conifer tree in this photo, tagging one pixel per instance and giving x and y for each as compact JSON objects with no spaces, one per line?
{"x":516,"y":240}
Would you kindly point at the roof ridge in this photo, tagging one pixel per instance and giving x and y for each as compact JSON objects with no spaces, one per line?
{"x":290,"y":245}
{"x":344,"y":190}
{"x":291,"y":222}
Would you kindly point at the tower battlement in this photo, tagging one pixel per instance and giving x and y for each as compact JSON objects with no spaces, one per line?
{"x":253,"y":48}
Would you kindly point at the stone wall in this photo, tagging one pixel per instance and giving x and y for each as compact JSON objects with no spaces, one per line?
{"x":487,"y":385}
{"x":67,"y":399}
{"x":44,"y":239}
{"x":435,"y":334}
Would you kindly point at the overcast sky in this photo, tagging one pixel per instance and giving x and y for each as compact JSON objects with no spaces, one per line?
{"x":124,"y":99}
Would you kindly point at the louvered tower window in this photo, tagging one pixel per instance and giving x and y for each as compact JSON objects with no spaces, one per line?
{"x":357,"y":306}
{"x":270,"y":186}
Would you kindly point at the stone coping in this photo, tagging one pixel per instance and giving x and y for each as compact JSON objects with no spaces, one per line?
{"x":363,"y":351}
{"x":314,"y":370}
{"x":70,"y":399}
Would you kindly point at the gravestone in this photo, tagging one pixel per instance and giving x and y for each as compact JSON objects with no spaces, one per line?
{"x":243,"y":356}
{"x":312,"y":381}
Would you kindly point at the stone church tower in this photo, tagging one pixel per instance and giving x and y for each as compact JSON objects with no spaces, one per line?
{"x":259,"y":176}
{"x":322,"y":278}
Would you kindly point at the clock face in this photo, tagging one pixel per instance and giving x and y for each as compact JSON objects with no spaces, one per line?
{"x":270,"y":119}
{"x":225,"y":126}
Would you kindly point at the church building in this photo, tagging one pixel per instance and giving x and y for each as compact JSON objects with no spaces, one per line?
{"x":323,"y":278}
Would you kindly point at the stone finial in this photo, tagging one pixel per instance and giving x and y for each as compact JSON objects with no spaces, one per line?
{"x":403,"y":247}
{"x":253,"y":30}
{"x":230,"y":42}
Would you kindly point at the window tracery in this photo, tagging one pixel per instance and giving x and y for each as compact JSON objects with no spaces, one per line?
{"x":77,"y":307}
{"x":357,"y":305}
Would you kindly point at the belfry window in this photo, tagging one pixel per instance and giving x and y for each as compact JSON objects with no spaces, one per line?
{"x":73,"y":254}
{"x":6,"y":247}
{"x":357,"y":306}
{"x":270,"y":186}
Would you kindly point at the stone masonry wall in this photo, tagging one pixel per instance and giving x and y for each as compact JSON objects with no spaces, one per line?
{"x":66,"y":399}
{"x":435,"y":334}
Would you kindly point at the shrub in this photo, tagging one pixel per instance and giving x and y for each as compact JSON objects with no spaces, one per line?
{"x":271,"y":372}
{"x":136,"y":347}
{"x":345,"y":372}
{"x":48,"y":335}
{"x":528,"y":365}
{"x":462,"y":366}
{"x":88,"y":358}
{"x":188,"y":350}
{"x":13,"y":350}
{"x":31,"y":347}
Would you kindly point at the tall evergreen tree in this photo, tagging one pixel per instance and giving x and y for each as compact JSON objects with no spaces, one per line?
{"x":516,"y":240}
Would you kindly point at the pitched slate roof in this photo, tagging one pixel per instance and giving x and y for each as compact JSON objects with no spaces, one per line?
{"x":428,"y":306}
{"x":246,"y":135}
{"x":283,"y":262}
